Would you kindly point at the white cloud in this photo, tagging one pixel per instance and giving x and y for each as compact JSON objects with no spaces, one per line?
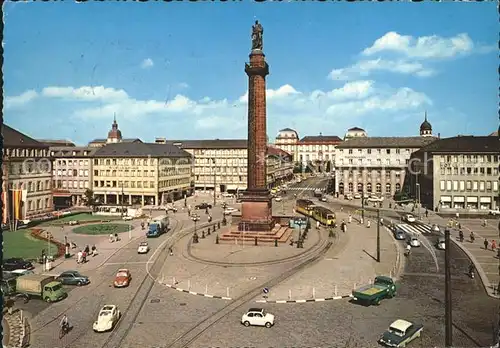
{"x":365,"y":68}
{"x":183,"y":85}
{"x":147,"y":63}
{"x":20,"y":100}
{"x":422,"y":47}
{"x":88,"y":93}
{"x":286,"y":106}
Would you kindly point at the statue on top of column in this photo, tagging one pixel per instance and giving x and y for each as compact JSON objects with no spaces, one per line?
{"x":257,"y":33}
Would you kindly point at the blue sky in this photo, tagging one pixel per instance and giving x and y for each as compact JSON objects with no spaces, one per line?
{"x":176,"y":70}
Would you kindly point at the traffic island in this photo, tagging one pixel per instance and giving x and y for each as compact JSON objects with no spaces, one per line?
{"x":102,"y":229}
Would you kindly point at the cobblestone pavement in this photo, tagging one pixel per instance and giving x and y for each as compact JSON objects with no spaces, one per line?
{"x":344,"y":268}
{"x":225,"y":281}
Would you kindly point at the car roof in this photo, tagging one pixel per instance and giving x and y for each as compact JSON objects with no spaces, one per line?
{"x":256,"y":310}
{"x":108,"y":307}
{"x":401,"y":325}
{"x":122,"y":270}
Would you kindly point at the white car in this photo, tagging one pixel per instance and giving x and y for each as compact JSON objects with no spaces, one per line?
{"x":278,"y":199}
{"x":357,"y":196}
{"x":143,"y":248}
{"x":230,"y":210}
{"x":495,"y":212}
{"x":323,"y":199}
{"x":435,"y":228}
{"x":409,"y":218}
{"x":413,"y":241}
{"x":107,"y":318}
{"x":257,"y":317}
{"x":127,"y":218}
{"x":21,"y":272}
{"x":440,"y":244}
{"x":73,"y":223}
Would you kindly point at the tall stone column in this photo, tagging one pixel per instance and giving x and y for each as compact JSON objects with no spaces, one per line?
{"x":256,"y":208}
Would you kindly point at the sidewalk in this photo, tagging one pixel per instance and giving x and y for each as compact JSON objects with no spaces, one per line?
{"x":486,"y":261}
{"x":344,"y":268}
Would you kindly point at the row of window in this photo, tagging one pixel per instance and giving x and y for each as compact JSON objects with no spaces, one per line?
{"x":25,"y":152}
{"x":469,"y":185}
{"x":369,"y":187}
{"x":39,"y":204}
{"x":125,"y":173}
{"x":219,"y":153}
{"x":469,"y":171}
{"x":124,"y":184}
{"x":378,"y":162}
{"x":71,"y":172}
{"x":469,"y":158}
{"x":374,"y":173}
{"x":72,"y":184}
{"x":35,"y":186}
{"x":378,"y":151}
{"x":174,"y":182}
{"x":125,"y":161}
{"x":75,"y":162}
{"x":208,"y":170}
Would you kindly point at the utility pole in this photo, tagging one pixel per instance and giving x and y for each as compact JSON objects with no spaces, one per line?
{"x":363,"y":207}
{"x":447,"y":290}
{"x":215,"y":181}
{"x":378,"y":235}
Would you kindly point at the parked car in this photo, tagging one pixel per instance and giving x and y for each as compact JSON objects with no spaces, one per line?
{"x":357,"y":196}
{"x":412,"y":240}
{"x":494,"y":212}
{"x":122,"y":278}
{"x":107,"y":318}
{"x":203,"y":206}
{"x":408,"y":218}
{"x":16,"y":263}
{"x":323,"y":199}
{"x":73,"y":278}
{"x":257,"y":317}
{"x":128,"y":218}
{"x":21,"y":272}
{"x":400,"y":333}
{"x":399,"y":234}
{"x":143,"y":248}
{"x":440,"y":243}
{"x":73,"y":223}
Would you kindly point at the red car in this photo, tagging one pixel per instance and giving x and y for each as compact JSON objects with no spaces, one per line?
{"x":122,"y":278}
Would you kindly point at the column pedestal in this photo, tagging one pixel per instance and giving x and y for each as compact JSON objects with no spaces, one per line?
{"x":256,"y":211}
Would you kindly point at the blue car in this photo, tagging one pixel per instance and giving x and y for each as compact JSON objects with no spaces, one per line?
{"x":399,"y":234}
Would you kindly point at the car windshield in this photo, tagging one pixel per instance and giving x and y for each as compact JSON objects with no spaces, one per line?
{"x":56,"y":287}
{"x":396,"y":331}
{"x":104,"y":313}
{"x":121,"y":274}
{"x":144,"y":244}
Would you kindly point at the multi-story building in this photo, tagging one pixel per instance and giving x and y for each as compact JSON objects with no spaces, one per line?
{"x":141,"y":173}
{"x":310,"y":150}
{"x":71,"y":174}
{"x":456,"y":173}
{"x":376,"y":164}
{"x":223,"y":163}
{"x":27,"y":176}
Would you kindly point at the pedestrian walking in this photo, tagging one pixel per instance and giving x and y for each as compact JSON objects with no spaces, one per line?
{"x":79,"y":256}
{"x":493,"y":245}
{"x":349,"y":219}
{"x":426,"y":213}
{"x":485,"y":244}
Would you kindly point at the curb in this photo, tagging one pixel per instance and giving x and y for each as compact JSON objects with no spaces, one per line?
{"x":306,"y":301}
{"x":197,"y":293}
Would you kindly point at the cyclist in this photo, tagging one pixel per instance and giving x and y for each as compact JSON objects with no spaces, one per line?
{"x":64,"y":324}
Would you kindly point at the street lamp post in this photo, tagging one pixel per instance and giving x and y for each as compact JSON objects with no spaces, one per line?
{"x":215,"y":180}
{"x":378,"y":235}
{"x":447,"y":291}
{"x":122,"y":201}
{"x":362,"y":206}
{"x":418,"y":198}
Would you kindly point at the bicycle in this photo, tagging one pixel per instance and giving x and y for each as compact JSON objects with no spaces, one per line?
{"x":63,"y":331}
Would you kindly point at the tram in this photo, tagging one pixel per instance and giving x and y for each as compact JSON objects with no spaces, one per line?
{"x":304,"y":206}
{"x":324,"y":215}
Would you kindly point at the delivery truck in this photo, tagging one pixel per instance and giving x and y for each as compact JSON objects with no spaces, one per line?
{"x":383,"y":287}
{"x":158,"y":226}
{"x":40,"y":286}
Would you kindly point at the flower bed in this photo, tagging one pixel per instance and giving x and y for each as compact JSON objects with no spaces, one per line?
{"x":40,"y":234}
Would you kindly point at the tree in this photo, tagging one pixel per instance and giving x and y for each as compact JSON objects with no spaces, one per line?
{"x":89,"y":199}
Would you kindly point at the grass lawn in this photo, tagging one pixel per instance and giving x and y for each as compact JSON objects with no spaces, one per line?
{"x":22,"y":244}
{"x":96,"y":229}
{"x":78,"y":217}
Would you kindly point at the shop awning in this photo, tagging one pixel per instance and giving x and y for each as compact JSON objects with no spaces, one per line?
{"x":471,"y":199}
{"x":459,"y":199}
{"x":445,"y":199}
{"x":485,"y":200}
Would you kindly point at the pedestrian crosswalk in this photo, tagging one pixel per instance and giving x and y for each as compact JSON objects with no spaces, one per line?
{"x":304,"y":189}
{"x":415,"y":228}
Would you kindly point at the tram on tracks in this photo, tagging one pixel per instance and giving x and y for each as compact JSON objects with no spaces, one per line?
{"x":324,"y":215}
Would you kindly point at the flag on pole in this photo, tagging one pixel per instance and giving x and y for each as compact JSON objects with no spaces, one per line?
{"x":17,"y":199}
{"x":5,"y":208}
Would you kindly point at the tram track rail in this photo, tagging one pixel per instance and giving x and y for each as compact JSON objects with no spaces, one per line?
{"x":197,"y":330}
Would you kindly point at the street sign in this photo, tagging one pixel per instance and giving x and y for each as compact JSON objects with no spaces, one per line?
{"x":265,"y":291}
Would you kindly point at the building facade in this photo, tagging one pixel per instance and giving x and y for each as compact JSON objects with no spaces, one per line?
{"x":317,"y":152}
{"x":27,"y":176}
{"x":71,"y":174}
{"x":459,"y":173}
{"x":222,"y":163}
{"x":375,"y":165}
{"x":141,"y":174}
